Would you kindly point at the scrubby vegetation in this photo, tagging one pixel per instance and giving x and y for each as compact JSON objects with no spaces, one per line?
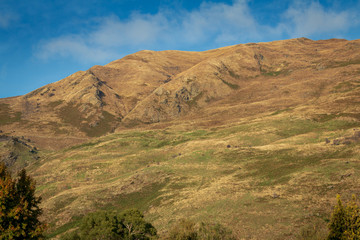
{"x":189,"y":230}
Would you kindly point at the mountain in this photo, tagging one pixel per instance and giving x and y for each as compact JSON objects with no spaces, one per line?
{"x":259,"y":137}
{"x":152,"y":87}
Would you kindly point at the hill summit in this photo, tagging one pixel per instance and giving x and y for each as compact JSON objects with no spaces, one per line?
{"x":203,"y":88}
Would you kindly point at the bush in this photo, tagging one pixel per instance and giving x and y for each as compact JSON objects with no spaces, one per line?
{"x":345,"y":221}
{"x":129,"y":225}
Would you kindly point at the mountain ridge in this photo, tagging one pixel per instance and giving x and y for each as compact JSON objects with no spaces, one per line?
{"x":151,"y":87}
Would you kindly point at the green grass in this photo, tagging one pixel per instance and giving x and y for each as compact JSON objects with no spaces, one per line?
{"x":347,"y":86}
{"x":274,"y":73}
{"x":84,"y":145}
{"x":281,"y":111}
{"x":140,"y":200}
{"x":75,"y":221}
{"x":231,"y":85}
{"x":159,"y":169}
{"x":344,"y":63}
{"x":288,"y":128}
{"x":63,"y":202}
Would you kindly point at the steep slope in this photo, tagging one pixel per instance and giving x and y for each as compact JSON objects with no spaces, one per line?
{"x":212,"y":87}
{"x":249,"y":79}
{"x":93,"y":102}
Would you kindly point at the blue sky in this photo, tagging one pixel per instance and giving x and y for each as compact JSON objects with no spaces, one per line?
{"x":43,"y":41}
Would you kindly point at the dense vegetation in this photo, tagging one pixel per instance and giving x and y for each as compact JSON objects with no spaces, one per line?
{"x":128,"y":225}
{"x":19,"y":208}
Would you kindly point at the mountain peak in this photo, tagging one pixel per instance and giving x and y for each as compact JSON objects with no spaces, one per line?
{"x":156,"y":87}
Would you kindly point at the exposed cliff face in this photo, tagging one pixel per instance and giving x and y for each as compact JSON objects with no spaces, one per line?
{"x":222,"y":84}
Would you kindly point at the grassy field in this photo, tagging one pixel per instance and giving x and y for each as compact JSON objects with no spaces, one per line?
{"x":268,"y":178}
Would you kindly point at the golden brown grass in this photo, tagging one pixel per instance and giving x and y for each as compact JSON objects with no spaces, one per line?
{"x":264,"y":178}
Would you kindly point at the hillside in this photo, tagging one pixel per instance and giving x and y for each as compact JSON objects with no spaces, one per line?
{"x":259,"y":137}
{"x":151,"y":87}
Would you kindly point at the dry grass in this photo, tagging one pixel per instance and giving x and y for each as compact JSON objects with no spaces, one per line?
{"x":237,"y":136}
{"x":206,"y":89}
{"x":264,"y":178}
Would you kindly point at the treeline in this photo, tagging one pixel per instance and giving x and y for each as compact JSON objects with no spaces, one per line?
{"x":20,"y":212}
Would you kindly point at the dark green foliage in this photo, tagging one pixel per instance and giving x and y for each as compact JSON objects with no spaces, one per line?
{"x":19,"y":207}
{"x":345,"y":221}
{"x":129,"y":225}
{"x":188,"y":230}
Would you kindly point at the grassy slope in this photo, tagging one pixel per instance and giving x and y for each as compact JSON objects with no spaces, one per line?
{"x":227,"y":174}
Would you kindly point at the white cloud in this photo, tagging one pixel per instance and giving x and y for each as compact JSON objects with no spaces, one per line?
{"x":76,"y":47}
{"x":212,"y":22}
{"x":139,"y":29}
{"x":211,"y":25}
{"x":109,"y":39}
{"x":313,"y":19}
{"x":224,"y":23}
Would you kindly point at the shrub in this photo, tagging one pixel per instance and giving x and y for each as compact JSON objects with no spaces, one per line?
{"x":129,"y":225}
{"x":345,"y":221}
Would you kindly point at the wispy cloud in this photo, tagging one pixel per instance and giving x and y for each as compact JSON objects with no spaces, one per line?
{"x":7,"y":18}
{"x":314,"y":20}
{"x":110,"y":39}
{"x":221,"y":22}
{"x":211,"y":25}
{"x":77,"y":47}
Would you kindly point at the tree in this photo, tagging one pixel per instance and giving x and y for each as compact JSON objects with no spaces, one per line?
{"x":352,"y":231}
{"x":129,"y":225}
{"x":135,"y":225}
{"x":345,"y":221}
{"x":19,"y":208}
